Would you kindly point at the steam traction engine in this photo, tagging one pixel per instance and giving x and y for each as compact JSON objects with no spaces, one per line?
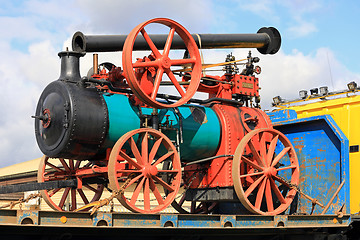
{"x":114,"y":126}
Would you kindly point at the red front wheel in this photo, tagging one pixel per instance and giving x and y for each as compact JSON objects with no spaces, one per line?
{"x":141,"y":153}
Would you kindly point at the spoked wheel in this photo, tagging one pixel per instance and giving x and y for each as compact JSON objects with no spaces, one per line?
{"x":265,"y":162}
{"x":66,"y":199}
{"x":160,"y":64}
{"x":193,"y":207}
{"x":141,"y":153}
{"x":188,"y":207}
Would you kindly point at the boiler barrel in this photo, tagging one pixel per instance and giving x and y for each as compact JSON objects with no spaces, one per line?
{"x":81,"y":123}
{"x":267,"y":40}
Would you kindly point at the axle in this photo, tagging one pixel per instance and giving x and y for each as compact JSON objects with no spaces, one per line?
{"x":266,"y":40}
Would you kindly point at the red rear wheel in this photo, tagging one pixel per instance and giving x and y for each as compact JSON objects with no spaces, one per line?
{"x":260,"y":175}
{"x":160,"y":65}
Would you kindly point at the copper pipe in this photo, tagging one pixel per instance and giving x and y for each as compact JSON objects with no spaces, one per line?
{"x":95,"y":63}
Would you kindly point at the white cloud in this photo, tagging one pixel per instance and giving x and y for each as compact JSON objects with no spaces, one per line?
{"x":286,"y":75}
{"x":301,"y":29}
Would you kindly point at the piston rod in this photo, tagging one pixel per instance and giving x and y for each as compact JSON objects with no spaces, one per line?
{"x":267,"y":40}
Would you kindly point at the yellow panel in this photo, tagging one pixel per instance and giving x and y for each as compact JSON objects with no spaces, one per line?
{"x":346,"y":113}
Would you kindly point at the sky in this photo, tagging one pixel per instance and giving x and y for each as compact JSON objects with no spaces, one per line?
{"x":319,"y":47}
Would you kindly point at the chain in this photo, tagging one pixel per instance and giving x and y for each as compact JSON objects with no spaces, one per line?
{"x":314,"y":201}
{"x":103,"y":202}
{"x":21,"y":201}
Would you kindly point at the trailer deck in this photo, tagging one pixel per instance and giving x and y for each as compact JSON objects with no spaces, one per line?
{"x":69,"y":225}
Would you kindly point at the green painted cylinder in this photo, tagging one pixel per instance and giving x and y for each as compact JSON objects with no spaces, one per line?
{"x":200,"y":130}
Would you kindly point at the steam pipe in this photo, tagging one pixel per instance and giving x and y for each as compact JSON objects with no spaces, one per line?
{"x":267,"y":40}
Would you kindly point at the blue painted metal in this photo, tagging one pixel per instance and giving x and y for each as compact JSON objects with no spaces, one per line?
{"x":323,"y":152}
{"x":28,"y":217}
{"x":175,"y":221}
{"x":282,"y":115}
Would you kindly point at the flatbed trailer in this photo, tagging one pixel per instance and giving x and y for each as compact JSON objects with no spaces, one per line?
{"x":324,"y":153}
{"x":20,"y":224}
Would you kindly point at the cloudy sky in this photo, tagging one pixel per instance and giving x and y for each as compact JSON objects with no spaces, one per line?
{"x":319,"y":47}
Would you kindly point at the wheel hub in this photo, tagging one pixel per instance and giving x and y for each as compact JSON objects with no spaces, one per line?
{"x":270,"y":172}
{"x":150,"y":170}
{"x":166,"y":62}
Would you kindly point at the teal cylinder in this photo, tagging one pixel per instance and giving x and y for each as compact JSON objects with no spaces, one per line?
{"x":123,"y":117}
{"x":201,"y":130}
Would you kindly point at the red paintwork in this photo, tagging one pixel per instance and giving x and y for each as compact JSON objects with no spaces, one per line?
{"x":233,"y":128}
{"x":230,"y":84}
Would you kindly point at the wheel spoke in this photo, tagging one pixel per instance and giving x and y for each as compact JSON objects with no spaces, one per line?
{"x":136,"y":152}
{"x":54,"y":167}
{"x":154,"y":149}
{"x":52,"y":192}
{"x":163,"y":183}
{"x":77,"y":165}
{"x":182,"y":200}
{"x":285,"y":168}
{"x":144,"y":148}
{"x":150,"y":43}
{"x":73,"y":199}
{"x":163,"y":157}
{"x":87,"y":165}
{"x":146,"y":64}
{"x":64,"y":196}
{"x":271,"y":150}
{"x":130,"y":160}
{"x":268,"y":195}
{"x":137,"y":190}
{"x":175,"y":82}
{"x":260,"y":194}
{"x":71,"y":164}
{"x":156,"y":192}
{"x":90,"y":188}
{"x":147,"y":195}
{"x":263,"y":148}
{"x":135,"y":179}
{"x":168,"y":42}
{"x":279,"y":156}
{"x":168,"y":171}
{"x":277,"y":191}
{"x":251,"y":174}
{"x":255,"y":153}
{"x":253,"y":186}
{"x":128,"y":171}
{"x":83,"y":196}
{"x":254,"y":165}
{"x":180,"y":62}
{"x":157,"y":81}
{"x":64,"y":164}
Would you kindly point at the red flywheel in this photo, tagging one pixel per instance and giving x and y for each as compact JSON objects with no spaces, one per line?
{"x":161,"y":65}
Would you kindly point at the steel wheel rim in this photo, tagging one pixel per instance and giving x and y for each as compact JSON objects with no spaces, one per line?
{"x":163,"y":62}
{"x":266,"y":175}
{"x":74,"y":194}
{"x":148,"y":179}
